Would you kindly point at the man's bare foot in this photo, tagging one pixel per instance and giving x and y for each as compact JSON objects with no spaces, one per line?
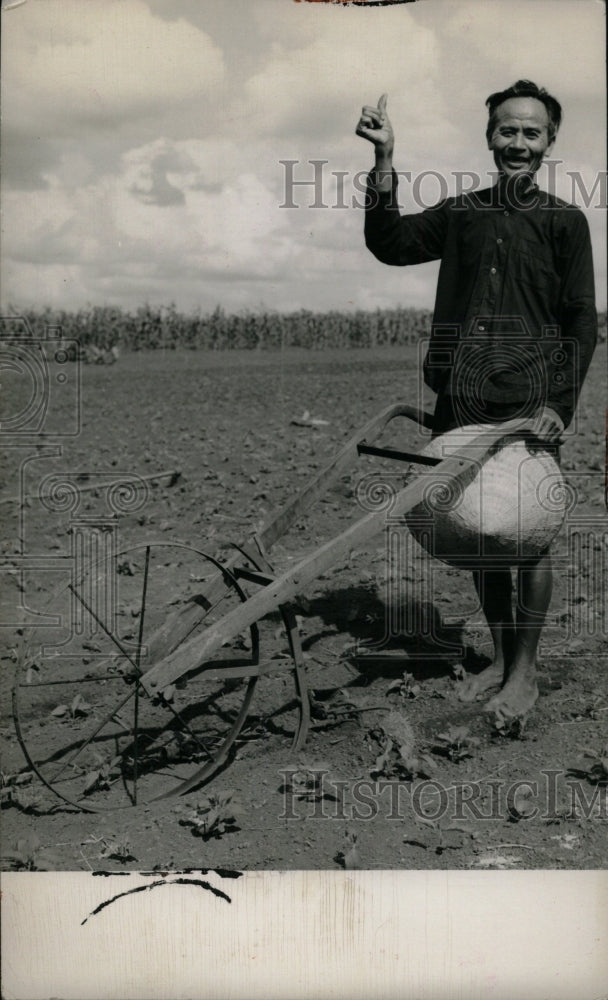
{"x":517,"y":697}
{"x":475,"y":685}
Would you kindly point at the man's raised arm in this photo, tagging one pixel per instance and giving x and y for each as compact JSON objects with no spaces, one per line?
{"x":394,"y":238}
{"x":374,"y":125}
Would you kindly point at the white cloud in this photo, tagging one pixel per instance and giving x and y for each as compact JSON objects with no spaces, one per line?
{"x":71,"y":65}
{"x":124,"y":224}
{"x":318,"y":89}
{"x":162,"y":171}
{"x":559,"y":45}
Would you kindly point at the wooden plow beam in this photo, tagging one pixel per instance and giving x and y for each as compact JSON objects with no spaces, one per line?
{"x":185,"y":619}
{"x":460,"y":469}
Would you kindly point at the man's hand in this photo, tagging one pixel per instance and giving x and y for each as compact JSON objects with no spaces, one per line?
{"x":549,"y":426}
{"x":374,"y":125}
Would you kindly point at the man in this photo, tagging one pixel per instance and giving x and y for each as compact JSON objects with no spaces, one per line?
{"x":514,"y":329}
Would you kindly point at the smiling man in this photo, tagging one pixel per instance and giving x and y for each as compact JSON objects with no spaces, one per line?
{"x":514,"y":329}
{"x":521,"y":131}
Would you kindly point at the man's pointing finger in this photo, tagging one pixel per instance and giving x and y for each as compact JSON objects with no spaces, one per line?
{"x":382,"y":104}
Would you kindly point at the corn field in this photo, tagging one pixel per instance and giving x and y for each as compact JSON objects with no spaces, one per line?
{"x":108,"y":328}
{"x":147,"y":328}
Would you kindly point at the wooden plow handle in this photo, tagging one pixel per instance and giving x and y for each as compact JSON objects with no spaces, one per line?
{"x":180,"y":623}
{"x":346,"y":457}
{"x":462,"y":468}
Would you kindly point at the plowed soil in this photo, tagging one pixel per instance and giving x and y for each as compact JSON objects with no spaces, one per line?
{"x":396,"y":771}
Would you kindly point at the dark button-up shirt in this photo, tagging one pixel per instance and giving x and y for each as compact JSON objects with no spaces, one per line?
{"x":515,"y":315}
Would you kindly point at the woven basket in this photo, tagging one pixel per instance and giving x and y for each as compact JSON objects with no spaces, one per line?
{"x":511,"y":509}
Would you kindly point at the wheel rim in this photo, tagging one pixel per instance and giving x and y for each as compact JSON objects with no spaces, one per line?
{"x":88,"y":730}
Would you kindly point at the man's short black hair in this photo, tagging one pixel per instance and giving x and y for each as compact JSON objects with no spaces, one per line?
{"x":525,"y":88}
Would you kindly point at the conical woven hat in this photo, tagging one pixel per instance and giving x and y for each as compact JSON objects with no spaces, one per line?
{"x":512,"y":508}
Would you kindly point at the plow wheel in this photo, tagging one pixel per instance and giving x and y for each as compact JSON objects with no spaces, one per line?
{"x":87,"y":727}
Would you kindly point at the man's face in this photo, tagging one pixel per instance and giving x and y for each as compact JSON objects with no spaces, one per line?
{"x":520,"y":136}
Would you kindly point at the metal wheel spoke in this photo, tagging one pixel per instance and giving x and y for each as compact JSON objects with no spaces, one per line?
{"x":102,"y":625}
{"x":160,"y":744}
{"x":108,"y":718}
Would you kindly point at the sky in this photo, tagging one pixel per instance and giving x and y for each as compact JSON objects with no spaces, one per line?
{"x":143,"y":140}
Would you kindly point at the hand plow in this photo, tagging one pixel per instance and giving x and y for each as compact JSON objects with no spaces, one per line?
{"x":152,"y":709}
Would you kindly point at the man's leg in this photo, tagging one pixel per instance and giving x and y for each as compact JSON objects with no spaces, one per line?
{"x":534,"y":585}
{"x":494,"y":589}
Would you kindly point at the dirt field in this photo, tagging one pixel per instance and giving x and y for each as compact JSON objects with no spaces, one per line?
{"x":396,"y":772}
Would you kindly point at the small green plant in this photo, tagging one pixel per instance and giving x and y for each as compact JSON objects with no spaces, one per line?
{"x":28,"y":855}
{"x":458,"y":671}
{"x":102,"y":775}
{"x":400,"y":760}
{"x":307,"y":785}
{"x":456,"y":743}
{"x":27,"y":799}
{"x":405,"y":686}
{"x":213,"y":816}
{"x":595,"y":709}
{"x":117,"y":850}
{"x":78,"y":707}
{"x":401,"y":757}
{"x":598,"y":771}
{"x":512,"y":728}
{"x":441,"y":827}
{"x":521,"y":804}
{"x":127,"y":568}
{"x":349,"y":858}
{"x":16,"y":790}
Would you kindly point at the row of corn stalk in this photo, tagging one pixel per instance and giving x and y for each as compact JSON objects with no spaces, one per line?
{"x":107,"y":327}
{"x":146,"y":328}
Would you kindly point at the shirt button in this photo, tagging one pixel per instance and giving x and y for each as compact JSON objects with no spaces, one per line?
{"x":505,"y":212}
{"x":481,"y":328}
{"x":499,"y":240}
{"x":492,"y":270}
